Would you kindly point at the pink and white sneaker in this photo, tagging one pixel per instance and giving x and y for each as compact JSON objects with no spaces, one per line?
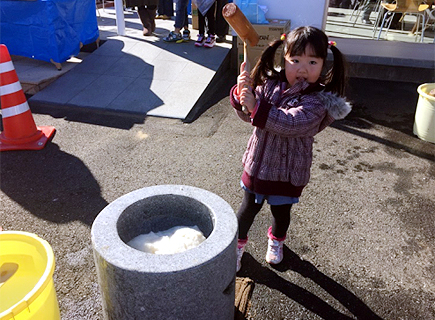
{"x":240,"y":250}
{"x":200,"y":41}
{"x":275,"y":252}
{"x":210,"y":42}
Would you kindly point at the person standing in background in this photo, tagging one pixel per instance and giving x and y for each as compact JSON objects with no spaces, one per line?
{"x":181,"y":20}
{"x":222,"y":26}
{"x":146,"y":9}
{"x":211,"y":27}
{"x":165,"y":9}
{"x":367,"y":9}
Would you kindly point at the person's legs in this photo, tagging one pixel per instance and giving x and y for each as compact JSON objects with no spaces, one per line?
{"x":280,"y":220}
{"x":147,"y":16}
{"x":367,"y":9}
{"x":201,"y":30}
{"x":211,"y":20}
{"x":180,"y":22}
{"x":166,"y":9}
{"x":152,"y":10}
{"x":186,"y":17}
{"x":201,"y":23}
{"x":180,"y":14}
{"x":145,"y":19}
{"x":222,"y":26}
{"x":186,"y":32}
{"x":246,"y":214}
{"x":245,"y":217}
{"x":211,"y":27}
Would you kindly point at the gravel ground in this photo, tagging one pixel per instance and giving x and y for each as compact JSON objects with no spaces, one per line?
{"x":361,"y":241}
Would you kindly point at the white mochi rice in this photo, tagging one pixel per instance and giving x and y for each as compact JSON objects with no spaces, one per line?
{"x":174,"y":240}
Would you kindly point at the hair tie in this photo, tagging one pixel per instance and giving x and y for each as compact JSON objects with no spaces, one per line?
{"x":283,"y":36}
{"x":332,"y":44}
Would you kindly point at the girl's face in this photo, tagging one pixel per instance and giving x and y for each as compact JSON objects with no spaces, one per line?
{"x":305,"y":67}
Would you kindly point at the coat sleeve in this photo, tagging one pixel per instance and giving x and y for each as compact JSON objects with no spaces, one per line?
{"x":314,"y":112}
{"x":302,"y":120}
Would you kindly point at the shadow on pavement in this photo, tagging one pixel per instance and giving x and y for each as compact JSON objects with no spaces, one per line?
{"x":390,"y":107}
{"x":387,"y":103}
{"x":120,"y":120}
{"x":292,"y":261}
{"x":51,"y":184}
{"x":108,"y":83}
{"x":411,"y":145}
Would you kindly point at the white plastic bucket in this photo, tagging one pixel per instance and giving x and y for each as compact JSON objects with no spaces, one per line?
{"x":424,"y":122}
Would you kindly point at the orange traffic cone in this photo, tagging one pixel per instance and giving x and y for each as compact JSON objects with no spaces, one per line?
{"x":19,"y":129}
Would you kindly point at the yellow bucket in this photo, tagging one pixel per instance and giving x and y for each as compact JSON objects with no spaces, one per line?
{"x":424,"y":122}
{"x":26,"y":278}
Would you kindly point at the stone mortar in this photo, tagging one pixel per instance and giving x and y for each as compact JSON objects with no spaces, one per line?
{"x":195,"y":284}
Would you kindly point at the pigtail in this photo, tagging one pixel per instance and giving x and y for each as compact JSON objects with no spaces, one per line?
{"x":335,"y":78}
{"x":265,"y":66}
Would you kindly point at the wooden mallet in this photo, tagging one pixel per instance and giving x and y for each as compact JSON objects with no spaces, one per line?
{"x":241,"y":25}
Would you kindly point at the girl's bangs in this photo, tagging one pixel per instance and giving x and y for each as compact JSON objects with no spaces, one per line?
{"x":300,"y":43}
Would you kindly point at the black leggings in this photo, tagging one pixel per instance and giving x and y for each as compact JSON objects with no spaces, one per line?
{"x":249,"y":209}
{"x":211,"y":21}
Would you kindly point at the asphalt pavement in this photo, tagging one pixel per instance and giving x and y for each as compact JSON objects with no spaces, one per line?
{"x":361,"y":241}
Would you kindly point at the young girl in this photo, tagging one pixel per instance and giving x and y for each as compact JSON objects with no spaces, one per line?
{"x":287,"y":109}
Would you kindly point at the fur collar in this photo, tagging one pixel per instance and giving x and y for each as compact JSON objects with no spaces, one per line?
{"x":337,"y":107}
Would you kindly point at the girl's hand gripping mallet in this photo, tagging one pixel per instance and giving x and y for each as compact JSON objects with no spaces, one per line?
{"x":244,"y":29}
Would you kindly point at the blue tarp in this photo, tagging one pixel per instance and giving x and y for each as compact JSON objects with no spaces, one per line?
{"x":47,"y":29}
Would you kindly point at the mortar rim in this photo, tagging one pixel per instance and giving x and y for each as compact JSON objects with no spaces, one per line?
{"x":107,"y":243}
